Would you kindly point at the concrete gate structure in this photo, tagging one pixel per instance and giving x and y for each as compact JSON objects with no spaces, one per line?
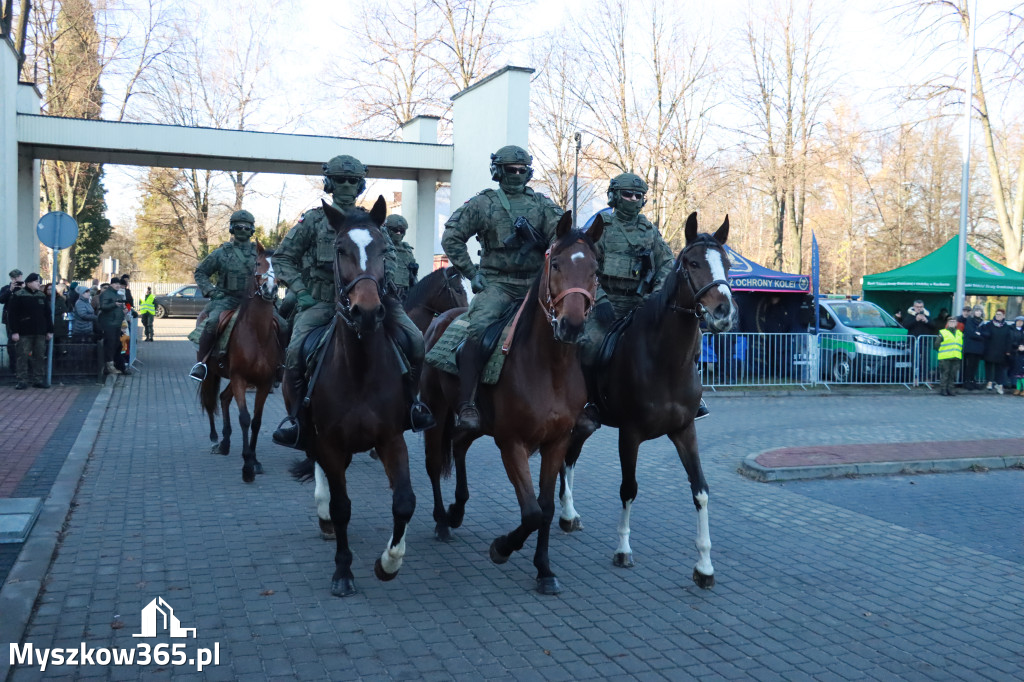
{"x":487,"y":115}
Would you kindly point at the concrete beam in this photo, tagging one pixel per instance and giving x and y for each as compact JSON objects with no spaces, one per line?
{"x":419,"y":205}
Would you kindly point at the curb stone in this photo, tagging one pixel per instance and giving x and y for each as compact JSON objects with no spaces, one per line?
{"x":758,"y":472}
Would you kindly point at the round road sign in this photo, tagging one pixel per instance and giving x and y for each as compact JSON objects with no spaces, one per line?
{"x":57,"y":230}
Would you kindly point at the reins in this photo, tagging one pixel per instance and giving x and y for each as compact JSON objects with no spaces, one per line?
{"x":698,"y":310}
{"x":343,"y":305}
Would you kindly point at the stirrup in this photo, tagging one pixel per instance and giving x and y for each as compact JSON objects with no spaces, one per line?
{"x":420,"y":417}
{"x":702,"y":411}
{"x":464,"y":421}
{"x":589,"y":420}
{"x":198,"y":372}
{"x":283,"y":436}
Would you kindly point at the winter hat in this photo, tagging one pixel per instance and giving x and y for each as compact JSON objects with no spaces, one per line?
{"x":33,"y":277}
{"x":1018,"y":318}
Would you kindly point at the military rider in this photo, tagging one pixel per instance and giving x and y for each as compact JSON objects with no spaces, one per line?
{"x":633,"y":262}
{"x":233,"y":263}
{"x":514,"y":225}
{"x":404,"y":268}
{"x":305,"y":262}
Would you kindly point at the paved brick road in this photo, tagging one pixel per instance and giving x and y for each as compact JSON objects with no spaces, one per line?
{"x":825,"y":580}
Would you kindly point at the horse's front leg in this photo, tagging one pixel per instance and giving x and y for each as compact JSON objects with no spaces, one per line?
{"x":457,"y":510}
{"x":552,"y":459}
{"x":569,"y":520}
{"x":224,"y":447}
{"x":394,"y":455}
{"x":515,"y":457}
{"x":322,"y":497}
{"x":257,"y":421}
{"x":685,"y":441}
{"x":334,"y":466}
{"x":244,"y":422}
{"x":629,"y":445}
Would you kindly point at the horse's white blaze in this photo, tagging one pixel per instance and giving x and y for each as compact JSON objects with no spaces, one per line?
{"x":718,"y":272}
{"x":361,"y":238}
{"x":624,"y":530}
{"x":391,"y":559}
{"x":703,"y":536}
{"x":568,"y":510}
{"x":322,"y":494}
{"x":578,"y":255}
{"x":269,"y":279}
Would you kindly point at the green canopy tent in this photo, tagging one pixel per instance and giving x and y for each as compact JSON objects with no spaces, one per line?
{"x":933,"y":280}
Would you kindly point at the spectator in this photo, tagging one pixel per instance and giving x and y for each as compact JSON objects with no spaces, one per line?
{"x":97,"y":294}
{"x":1017,"y":369}
{"x":71,"y":294}
{"x":917,"y":320}
{"x":898,"y":316}
{"x":83,"y":325}
{"x":60,"y":314}
{"x":974,"y":346}
{"x":949,"y":343}
{"x":8,"y":290}
{"x":963,"y":317}
{"x":125,"y":281}
{"x":1016,"y":333}
{"x":147,"y":309}
{"x":111,"y":316}
{"x":997,"y":351}
{"x":940,"y":321}
{"x":31,"y":327}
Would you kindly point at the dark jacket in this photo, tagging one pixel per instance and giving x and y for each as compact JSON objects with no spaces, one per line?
{"x":997,"y":344}
{"x":85,"y":317}
{"x":111,"y":314}
{"x":1016,"y":337}
{"x":915,"y":327}
{"x":974,"y":339}
{"x":29,"y":313}
{"x":60,"y":309}
{"x":5,"y":298}
{"x":1017,"y":364}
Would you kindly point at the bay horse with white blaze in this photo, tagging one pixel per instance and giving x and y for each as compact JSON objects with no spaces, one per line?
{"x":651,"y":387}
{"x":254,"y":353}
{"x":533,"y":405}
{"x":358,"y":401}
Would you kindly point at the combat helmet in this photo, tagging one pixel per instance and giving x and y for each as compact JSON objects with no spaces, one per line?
{"x":241,"y":216}
{"x":395,"y":221}
{"x":510,"y":154}
{"x":626,"y":181}
{"x":343,"y":166}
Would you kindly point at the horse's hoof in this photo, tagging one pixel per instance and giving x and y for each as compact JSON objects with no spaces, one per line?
{"x":496,"y":556}
{"x":548,"y":585}
{"x":215,"y":449}
{"x":257,"y":467}
{"x":373,"y":454}
{"x":327,"y":530}
{"x":455,"y":516}
{"x":343,"y":587}
{"x":623,"y":560}
{"x":222,"y":449}
{"x":569,"y":526}
{"x":382,"y":575}
{"x":442,"y":533}
{"x":704,"y":582}
{"x":248,"y":475}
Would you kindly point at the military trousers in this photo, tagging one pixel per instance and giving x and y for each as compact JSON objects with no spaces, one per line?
{"x":596,"y":329}
{"x":487,"y":306}
{"x":947,"y":373}
{"x":215,"y":307}
{"x":32,"y":358}
{"x":304,"y":322}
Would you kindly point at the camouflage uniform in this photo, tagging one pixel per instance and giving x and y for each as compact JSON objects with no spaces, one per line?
{"x":510,"y":257}
{"x":403,"y":269}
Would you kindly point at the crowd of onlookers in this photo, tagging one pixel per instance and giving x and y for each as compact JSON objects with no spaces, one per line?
{"x":993,"y":350}
{"x":82,"y":314}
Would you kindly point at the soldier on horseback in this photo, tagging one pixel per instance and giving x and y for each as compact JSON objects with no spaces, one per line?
{"x":233,"y":264}
{"x":402,"y":270}
{"x":633,"y":262}
{"x":515,"y":226}
{"x":305,"y":262}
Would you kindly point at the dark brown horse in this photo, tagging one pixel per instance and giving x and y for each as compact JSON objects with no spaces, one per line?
{"x":438,"y":292}
{"x":534,"y":404}
{"x":253,"y":356}
{"x":358,"y":401}
{"x":651,"y":387}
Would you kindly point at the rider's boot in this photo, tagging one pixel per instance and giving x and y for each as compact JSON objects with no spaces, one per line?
{"x":588,"y":421}
{"x":288,"y":431}
{"x":470,"y":366}
{"x":420,"y":417}
{"x":206,"y":341}
{"x":702,"y":410}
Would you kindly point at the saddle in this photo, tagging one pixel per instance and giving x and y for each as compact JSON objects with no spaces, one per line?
{"x":593,"y":374}
{"x":443,"y":354}
{"x":315,"y":342}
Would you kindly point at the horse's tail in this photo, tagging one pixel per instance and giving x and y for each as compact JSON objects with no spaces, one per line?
{"x":447,"y":453}
{"x":302,"y":470}
{"x":209,"y":389}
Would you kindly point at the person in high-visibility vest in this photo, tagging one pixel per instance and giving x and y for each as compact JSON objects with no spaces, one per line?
{"x":950,"y":344}
{"x":147,"y":309}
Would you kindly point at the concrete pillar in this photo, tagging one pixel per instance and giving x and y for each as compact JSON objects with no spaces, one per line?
{"x":418,"y":196}
{"x":10,"y":254}
{"x":29,"y":189}
{"x":486,"y":116}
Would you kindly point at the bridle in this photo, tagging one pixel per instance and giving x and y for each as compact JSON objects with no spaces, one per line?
{"x":698,"y":310}
{"x":260,"y":279}
{"x":547,"y":303}
{"x":449,"y":289}
{"x":344,"y":304}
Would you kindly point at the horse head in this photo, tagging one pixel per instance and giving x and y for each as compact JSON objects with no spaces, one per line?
{"x":359,"y":265}
{"x":570,"y":267}
{"x":703,"y":264}
{"x":266,"y":280}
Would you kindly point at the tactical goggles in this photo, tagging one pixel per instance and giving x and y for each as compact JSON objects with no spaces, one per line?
{"x":345,"y":179}
{"x":517,"y":170}
{"x":630,"y":195}
{"x":398,"y":230}
{"x":246,"y":226}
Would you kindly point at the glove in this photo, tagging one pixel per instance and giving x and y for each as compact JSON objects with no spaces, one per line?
{"x":217,"y":294}
{"x":478,"y":283}
{"x":305,"y":300}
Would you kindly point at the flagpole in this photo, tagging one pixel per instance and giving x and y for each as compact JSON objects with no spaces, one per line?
{"x":965,"y":171}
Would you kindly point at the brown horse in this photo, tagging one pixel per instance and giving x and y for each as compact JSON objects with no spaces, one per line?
{"x":534,"y":404}
{"x":357,"y":400}
{"x":253,"y":356}
{"x":438,"y":292}
{"x":651,"y":387}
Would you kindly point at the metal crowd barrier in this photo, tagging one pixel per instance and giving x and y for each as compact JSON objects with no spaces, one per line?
{"x":71,"y":360}
{"x":735,"y":359}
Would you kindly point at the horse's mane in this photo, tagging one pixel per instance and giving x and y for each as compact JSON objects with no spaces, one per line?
{"x":420,"y":292}
{"x":532,"y":300}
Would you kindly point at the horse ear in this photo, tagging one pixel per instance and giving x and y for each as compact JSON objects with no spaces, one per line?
{"x":564,"y":225}
{"x":379,"y":211}
{"x":596,"y":228}
{"x":335,"y":217}
{"x":691,"y":227}
{"x":722,"y":233}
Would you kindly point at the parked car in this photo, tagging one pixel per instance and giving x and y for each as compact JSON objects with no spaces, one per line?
{"x":858,"y":341}
{"x":186,"y":301}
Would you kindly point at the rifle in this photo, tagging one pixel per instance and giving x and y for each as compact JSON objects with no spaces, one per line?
{"x":526,"y":235}
{"x":644,"y":269}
